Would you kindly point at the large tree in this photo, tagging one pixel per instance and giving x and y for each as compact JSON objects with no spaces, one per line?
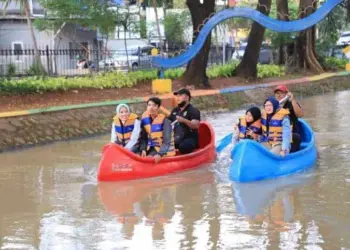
{"x":155,"y":7}
{"x":24,"y":4}
{"x":282,"y":14}
{"x":305,"y":44}
{"x":248,"y":66}
{"x":196,"y":69}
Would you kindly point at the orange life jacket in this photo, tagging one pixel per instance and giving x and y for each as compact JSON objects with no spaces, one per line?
{"x":255,"y":127}
{"x":124,"y":131}
{"x":275,"y":126}
{"x":154,"y":130}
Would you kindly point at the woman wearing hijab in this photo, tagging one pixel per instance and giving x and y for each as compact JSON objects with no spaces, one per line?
{"x":276,"y":129}
{"x":126,"y":128}
{"x":249,"y":126}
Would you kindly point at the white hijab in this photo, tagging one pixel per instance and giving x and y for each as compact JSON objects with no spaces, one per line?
{"x":120,"y":106}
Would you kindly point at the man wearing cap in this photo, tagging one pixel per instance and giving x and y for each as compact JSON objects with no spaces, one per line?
{"x":187,"y":120}
{"x":281,"y":91}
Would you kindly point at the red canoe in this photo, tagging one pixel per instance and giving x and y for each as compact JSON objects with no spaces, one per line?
{"x":118,"y":164}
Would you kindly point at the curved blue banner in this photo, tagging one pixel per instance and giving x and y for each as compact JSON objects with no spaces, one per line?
{"x":269,"y":23}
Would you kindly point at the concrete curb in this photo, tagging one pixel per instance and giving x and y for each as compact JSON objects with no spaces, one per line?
{"x":195,"y":93}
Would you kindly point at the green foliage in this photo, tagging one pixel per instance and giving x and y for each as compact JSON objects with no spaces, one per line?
{"x":225,"y":70}
{"x":128,"y":20}
{"x":143,"y":28}
{"x":117,"y":79}
{"x":90,"y":13}
{"x":277,"y":38}
{"x":329,"y":30}
{"x":174,"y":26}
{"x":11,"y":70}
{"x":174,"y":73}
{"x":333,"y":63}
{"x":36,"y":70}
{"x":265,"y":70}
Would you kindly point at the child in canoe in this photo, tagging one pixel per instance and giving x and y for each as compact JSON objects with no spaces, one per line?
{"x":249,"y":126}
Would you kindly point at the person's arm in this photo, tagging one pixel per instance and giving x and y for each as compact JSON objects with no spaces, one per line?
{"x":135,"y":135}
{"x":167,"y":130}
{"x":286,"y":134}
{"x":143,"y":139}
{"x":194,"y":123}
{"x":296,"y":107}
{"x":171,"y":117}
{"x":235,"y":134}
{"x":113,"y":134}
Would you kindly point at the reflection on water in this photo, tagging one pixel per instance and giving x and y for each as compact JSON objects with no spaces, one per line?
{"x":50,"y":198}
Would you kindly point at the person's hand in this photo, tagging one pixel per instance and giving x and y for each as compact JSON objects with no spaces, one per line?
{"x":283,"y":153}
{"x":291,"y":96}
{"x":235,"y":128}
{"x":250,"y":133}
{"x":143,"y":153}
{"x":180,"y":119}
{"x":157,"y":158}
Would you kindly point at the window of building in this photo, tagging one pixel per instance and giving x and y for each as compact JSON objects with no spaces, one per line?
{"x":17,"y":48}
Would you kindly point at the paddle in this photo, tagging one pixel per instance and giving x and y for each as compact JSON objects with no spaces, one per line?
{"x":227,"y":139}
{"x":224,"y":142}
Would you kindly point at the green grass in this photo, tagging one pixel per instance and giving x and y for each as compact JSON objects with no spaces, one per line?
{"x":40,"y":84}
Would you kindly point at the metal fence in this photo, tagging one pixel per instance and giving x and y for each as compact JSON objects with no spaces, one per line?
{"x":74,"y":62}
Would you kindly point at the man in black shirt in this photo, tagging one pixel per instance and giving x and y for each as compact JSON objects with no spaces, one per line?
{"x":295,"y":110}
{"x":186,"y":119}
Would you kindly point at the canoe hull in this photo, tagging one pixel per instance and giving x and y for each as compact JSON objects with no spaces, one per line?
{"x":253,"y":162}
{"x":118,"y":164}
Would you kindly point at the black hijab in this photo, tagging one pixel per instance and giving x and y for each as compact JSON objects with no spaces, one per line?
{"x":256,"y":113}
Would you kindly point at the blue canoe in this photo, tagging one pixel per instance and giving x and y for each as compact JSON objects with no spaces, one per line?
{"x":253,"y":162}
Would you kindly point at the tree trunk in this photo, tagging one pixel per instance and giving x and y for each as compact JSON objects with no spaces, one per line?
{"x":126,"y":49}
{"x":196,"y":68}
{"x":35,"y":44}
{"x":282,"y":14}
{"x":248,"y":66}
{"x":306,"y":40}
{"x":157,"y":22}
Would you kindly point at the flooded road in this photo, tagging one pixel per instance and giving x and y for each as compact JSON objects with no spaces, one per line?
{"x":50,"y":198}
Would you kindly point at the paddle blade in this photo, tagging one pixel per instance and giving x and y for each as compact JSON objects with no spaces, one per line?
{"x":224,"y":142}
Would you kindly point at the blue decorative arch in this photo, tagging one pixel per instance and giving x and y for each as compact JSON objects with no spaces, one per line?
{"x":269,"y":23}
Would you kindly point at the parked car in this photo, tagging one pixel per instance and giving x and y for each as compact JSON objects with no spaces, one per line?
{"x":344,"y":38}
{"x":265,"y":56}
{"x":138,"y":57}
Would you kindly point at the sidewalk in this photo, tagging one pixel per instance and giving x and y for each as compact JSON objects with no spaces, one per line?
{"x":195,"y":93}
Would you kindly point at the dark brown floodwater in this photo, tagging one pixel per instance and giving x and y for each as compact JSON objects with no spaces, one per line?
{"x":50,"y":198}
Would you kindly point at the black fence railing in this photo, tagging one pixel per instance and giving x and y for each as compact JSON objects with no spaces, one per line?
{"x":73,"y":62}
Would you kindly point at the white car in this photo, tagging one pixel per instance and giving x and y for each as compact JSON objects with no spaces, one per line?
{"x":344,"y":38}
{"x":138,"y":57}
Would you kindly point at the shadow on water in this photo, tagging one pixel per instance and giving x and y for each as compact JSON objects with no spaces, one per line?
{"x":251,"y":199}
{"x":118,"y":198}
